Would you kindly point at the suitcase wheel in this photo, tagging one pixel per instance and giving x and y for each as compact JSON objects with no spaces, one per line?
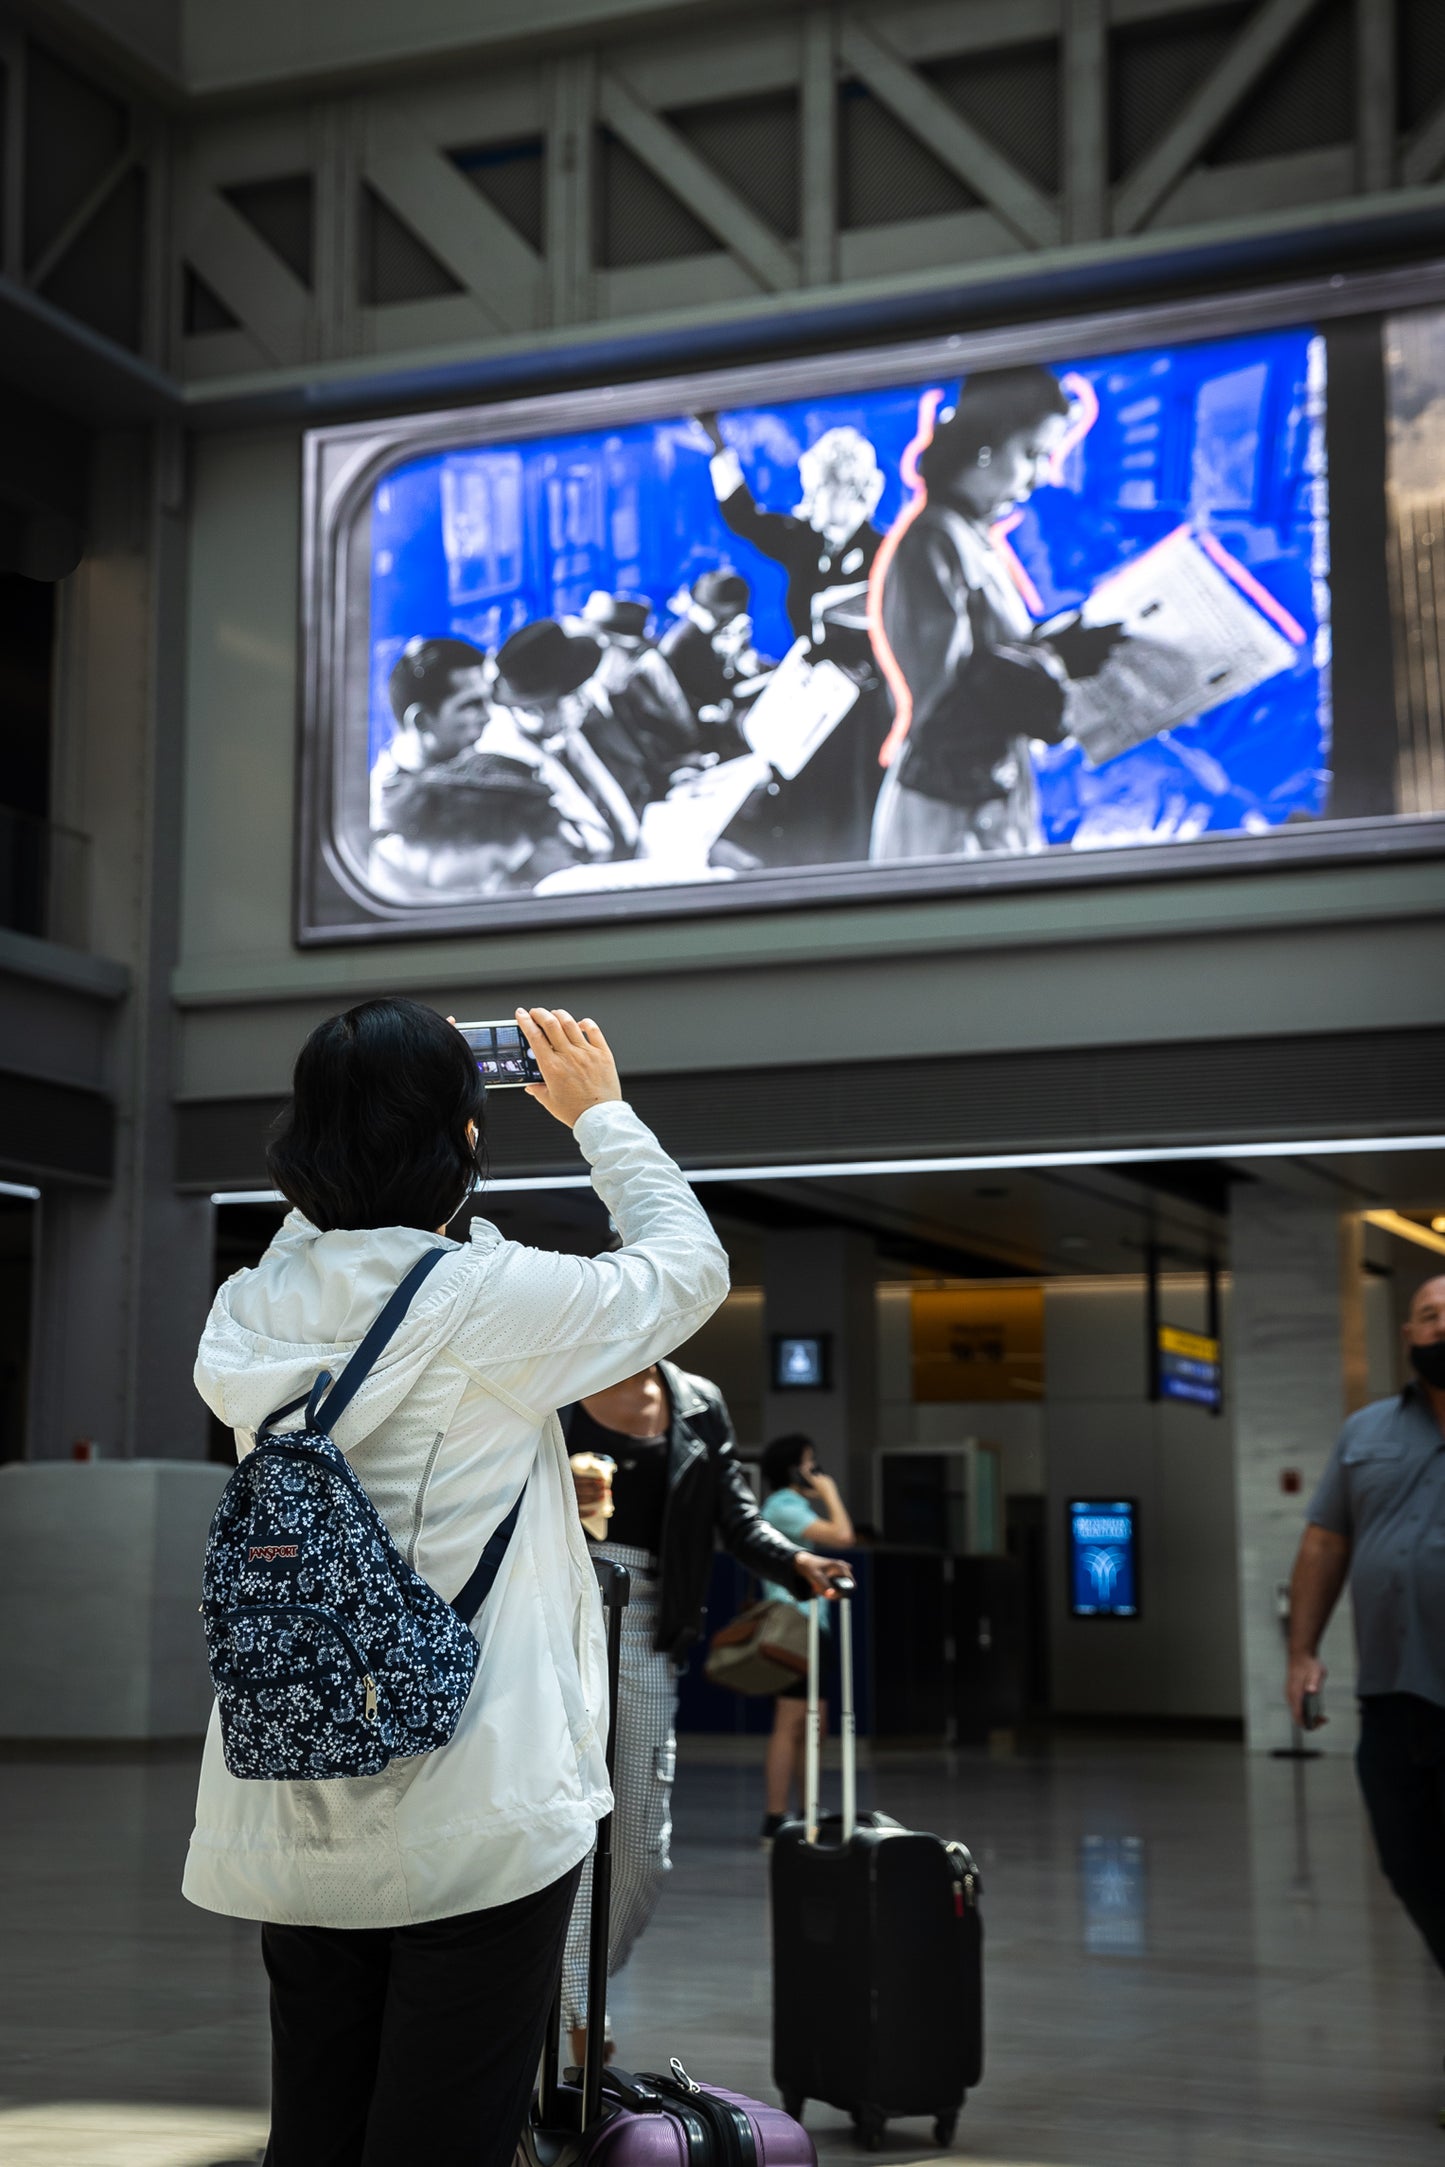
{"x":869,"y":2124}
{"x":793,"y":2105}
{"x":944,"y":2128}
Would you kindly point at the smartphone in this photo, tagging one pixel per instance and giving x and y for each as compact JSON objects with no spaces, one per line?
{"x":502,"y":1054}
{"x":1310,"y":1717}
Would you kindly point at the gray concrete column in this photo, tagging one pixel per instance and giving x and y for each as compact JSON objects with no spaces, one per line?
{"x":1296,"y":1328}
{"x":124,"y":1272}
{"x":824,"y":1280}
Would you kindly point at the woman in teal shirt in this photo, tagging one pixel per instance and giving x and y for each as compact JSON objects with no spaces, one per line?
{"x":803,"y":1504}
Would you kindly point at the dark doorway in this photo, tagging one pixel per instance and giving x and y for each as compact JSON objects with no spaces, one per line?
{"x":27,"y":640}
{"x":17,"y":1276}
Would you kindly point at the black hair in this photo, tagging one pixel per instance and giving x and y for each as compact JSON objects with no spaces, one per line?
{"x":991,"y":407}
{"x":375,"y":1133}
{"x":422,"y":673}
{"x":781,"y":1460}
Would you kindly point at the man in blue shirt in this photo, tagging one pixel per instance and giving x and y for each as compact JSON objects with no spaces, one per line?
{"x":1378,"y":1517}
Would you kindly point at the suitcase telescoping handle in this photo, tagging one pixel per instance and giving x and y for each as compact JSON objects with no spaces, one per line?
{"x":846,"y":1722}
{"x":615,"y":1583}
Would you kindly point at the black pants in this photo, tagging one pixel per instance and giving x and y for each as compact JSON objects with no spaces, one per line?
{"x":411,"y":2046}
{"x":1401,"y":1764}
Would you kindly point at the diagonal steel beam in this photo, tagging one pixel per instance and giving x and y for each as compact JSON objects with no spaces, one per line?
{"x":1261,"y":41}
{"x":262,"y":292}
{"x":463,"y":230}
{"x":705,"y":193}
{"x":952,"y":139}
{"x":90,"y":204}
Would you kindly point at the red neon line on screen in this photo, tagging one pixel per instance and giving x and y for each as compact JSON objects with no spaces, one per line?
{"x":887,"y":661}
{"x":1261,"y":596}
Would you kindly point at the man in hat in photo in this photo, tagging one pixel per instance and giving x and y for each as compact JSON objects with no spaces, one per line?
{"x":440,"y":692}
{"x":710,"y":648}
{"x":550,"y":714}
{"x":639,"y":683}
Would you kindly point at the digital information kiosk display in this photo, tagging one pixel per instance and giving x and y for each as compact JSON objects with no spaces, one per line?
{"x":801,"y":1364}
{"x":1103,"y":1558}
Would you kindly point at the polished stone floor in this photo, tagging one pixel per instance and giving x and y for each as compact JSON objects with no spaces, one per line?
{"x":1191,"y":1962}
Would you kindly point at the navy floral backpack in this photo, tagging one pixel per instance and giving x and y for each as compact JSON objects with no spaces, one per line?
{"x":330,"y":1656}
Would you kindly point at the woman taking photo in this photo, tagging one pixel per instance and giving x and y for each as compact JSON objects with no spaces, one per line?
{"x":804,"y":1504}
{"x":413,"y":1921}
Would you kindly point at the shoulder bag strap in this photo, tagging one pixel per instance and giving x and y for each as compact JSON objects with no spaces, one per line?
{"x":323,"y":1413}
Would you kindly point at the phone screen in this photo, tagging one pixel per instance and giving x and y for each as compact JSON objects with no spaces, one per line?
{"x":502,"y":1055}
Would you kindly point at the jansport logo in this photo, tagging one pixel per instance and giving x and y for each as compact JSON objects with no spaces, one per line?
{"x":272,"y":1550}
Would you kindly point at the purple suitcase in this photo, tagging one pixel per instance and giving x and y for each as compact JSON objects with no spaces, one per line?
{"x":598,"y":2117}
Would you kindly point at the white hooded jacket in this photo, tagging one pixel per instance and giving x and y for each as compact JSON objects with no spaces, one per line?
{"x":458,"y":1414}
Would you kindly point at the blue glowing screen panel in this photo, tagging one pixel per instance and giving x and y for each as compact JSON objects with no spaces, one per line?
{"x":1046,"y":609}
{"x":1103,"y":1558}
{"x":801,"y":1364}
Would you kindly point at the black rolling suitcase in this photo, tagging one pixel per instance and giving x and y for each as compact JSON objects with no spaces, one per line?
{"x":877,"y":1954}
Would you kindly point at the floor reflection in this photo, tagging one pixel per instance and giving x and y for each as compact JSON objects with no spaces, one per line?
{"x":1191,"y":1961}
{"x":1114,"y":1895}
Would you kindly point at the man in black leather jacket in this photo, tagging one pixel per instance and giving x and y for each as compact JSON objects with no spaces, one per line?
{"x":677,"y":1488}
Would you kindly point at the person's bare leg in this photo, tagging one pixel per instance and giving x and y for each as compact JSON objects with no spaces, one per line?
{"x":790,"y":1719}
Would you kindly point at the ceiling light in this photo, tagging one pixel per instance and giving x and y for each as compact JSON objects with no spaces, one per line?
{"x":1410,"y":1230}
{"x":974,"y":1163}
{"x":1438,"y":1222}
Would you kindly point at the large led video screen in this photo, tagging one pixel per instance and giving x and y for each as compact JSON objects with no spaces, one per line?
{"x":693,"y":646}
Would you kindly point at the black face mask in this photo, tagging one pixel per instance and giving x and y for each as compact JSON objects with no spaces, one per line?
{"x":1428,"y":1363}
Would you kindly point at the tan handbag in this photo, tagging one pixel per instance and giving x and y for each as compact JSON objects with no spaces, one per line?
{"x":764,"y":1649}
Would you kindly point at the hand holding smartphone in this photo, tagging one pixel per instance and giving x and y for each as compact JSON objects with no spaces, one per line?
{"x":566,"y":1066}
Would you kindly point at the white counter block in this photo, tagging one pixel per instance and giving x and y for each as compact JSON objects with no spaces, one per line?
{"x":100,"y":1579}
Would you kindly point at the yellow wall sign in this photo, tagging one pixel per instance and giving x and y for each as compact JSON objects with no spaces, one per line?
{"x":1195,"y":1346}
{"x":978,"y":1343}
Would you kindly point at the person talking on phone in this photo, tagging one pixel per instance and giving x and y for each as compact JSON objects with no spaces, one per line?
{"x":804,"y":1503}
{"x":655,"y":1469}
{"x":412,"y":1922}
{"x":1375,"y":1519}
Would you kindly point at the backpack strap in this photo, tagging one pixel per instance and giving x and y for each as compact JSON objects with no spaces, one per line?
{"x":489,"y":1564}
{"x":324,"y":1408}
{"x":355,"y":1374}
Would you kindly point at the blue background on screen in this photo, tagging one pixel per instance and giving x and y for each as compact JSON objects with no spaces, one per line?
{"x":1103,"y":1567}
{"x":474,"y":542}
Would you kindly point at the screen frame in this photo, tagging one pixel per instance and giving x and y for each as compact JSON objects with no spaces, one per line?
{"x":776,"y":1343}
{"x":1103,"y":1617}
{"x":341,"y":465}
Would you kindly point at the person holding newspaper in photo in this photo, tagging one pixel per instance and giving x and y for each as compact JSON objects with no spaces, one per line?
{"x":658,"y":1484}
{"x":965,"y":658}
{"x":413,"y":1920}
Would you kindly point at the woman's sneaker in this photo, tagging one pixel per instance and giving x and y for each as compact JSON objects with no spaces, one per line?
{"x":772,"y":1822}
